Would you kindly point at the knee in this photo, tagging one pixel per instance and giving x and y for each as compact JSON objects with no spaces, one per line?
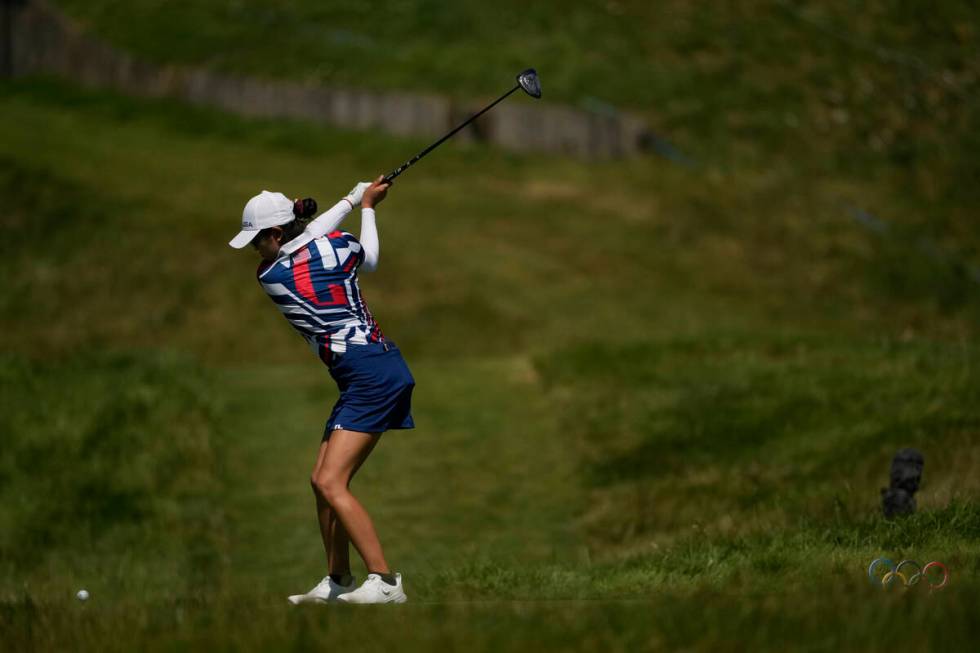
{"x":328,"y":487}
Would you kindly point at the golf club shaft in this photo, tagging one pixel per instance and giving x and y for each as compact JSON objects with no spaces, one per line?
{"x":405,"y":166}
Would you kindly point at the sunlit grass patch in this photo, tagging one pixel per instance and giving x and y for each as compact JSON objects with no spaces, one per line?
{"x":738,"y":434}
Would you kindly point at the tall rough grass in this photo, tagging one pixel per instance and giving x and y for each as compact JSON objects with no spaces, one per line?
{"x":111,"y":474}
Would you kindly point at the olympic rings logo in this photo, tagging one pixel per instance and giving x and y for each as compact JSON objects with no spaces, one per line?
{"x":908,"y":573}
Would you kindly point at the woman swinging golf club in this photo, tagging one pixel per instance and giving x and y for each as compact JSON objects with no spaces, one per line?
{"x":310,"y":271}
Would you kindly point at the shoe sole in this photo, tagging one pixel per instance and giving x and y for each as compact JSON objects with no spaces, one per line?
{"x":300,"y":599}
{"x":399,"y":599}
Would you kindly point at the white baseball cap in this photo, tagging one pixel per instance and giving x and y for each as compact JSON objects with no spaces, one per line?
{"x":264,"y":210}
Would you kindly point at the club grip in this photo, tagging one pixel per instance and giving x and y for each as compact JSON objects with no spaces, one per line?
{"x":390,"y":177}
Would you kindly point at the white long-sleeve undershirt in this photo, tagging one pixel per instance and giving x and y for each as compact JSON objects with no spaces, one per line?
{"x":369,"y":241}
{"x":328,"y":221}
{"x":320,"y":226}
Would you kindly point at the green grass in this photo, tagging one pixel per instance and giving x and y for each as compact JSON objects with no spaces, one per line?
{"x":882,"y":91}
{"x":104,"y":454}
{"x":789,"y":428}
{"x":655,"y":405}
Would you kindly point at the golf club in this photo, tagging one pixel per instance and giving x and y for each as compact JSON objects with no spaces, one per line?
{"x":527,"y":80}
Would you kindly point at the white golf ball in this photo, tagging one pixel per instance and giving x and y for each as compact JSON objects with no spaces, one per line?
{"x":82,"y":595}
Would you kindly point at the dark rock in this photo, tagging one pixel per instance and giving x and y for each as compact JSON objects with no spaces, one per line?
{"x":907,"y":470}
{"x":904,"y":480}
{"x":896,"y":501}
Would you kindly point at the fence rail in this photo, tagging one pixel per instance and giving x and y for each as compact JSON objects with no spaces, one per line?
{"x":39,"y":39}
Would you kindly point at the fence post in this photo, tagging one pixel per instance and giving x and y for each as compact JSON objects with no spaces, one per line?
{"x":8,"y":14}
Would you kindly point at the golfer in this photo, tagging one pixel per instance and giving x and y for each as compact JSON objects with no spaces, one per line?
{"x":309,"y":269}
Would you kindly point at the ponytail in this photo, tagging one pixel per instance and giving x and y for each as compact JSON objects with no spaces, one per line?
{"x":303,"y":210}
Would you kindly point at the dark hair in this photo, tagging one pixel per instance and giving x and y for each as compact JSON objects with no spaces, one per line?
{"x":304,"y":210}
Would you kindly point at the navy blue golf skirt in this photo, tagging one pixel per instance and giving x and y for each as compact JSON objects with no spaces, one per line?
{"x":375,"y":390}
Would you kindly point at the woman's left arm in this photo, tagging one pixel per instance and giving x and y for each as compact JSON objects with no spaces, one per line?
{"x":373,"y":195}
{"x":369,"y":240}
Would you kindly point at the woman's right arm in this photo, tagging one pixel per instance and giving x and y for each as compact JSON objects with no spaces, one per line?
{"x":327,"y":221}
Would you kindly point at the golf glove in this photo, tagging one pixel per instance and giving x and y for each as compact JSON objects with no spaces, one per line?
{"x":357,"y":193}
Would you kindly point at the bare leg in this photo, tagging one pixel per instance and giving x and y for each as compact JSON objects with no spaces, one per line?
{"x":336,"y":542}
{"x":343,"y":455}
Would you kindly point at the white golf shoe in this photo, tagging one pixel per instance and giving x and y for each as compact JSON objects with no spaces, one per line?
{"x":375,"y":590}
{"x":326,"y":591}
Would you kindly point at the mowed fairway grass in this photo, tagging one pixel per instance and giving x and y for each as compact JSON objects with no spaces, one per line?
{"x":655,"y":405}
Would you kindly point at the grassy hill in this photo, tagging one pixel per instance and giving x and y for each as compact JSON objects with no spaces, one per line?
{"x":883,"y":92}
{"x":655,"y":401}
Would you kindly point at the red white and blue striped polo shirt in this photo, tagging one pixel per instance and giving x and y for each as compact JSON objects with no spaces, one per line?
{"x":316,"y":288}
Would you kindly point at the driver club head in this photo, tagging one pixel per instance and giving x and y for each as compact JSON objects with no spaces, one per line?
{"x":530,"y":83}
